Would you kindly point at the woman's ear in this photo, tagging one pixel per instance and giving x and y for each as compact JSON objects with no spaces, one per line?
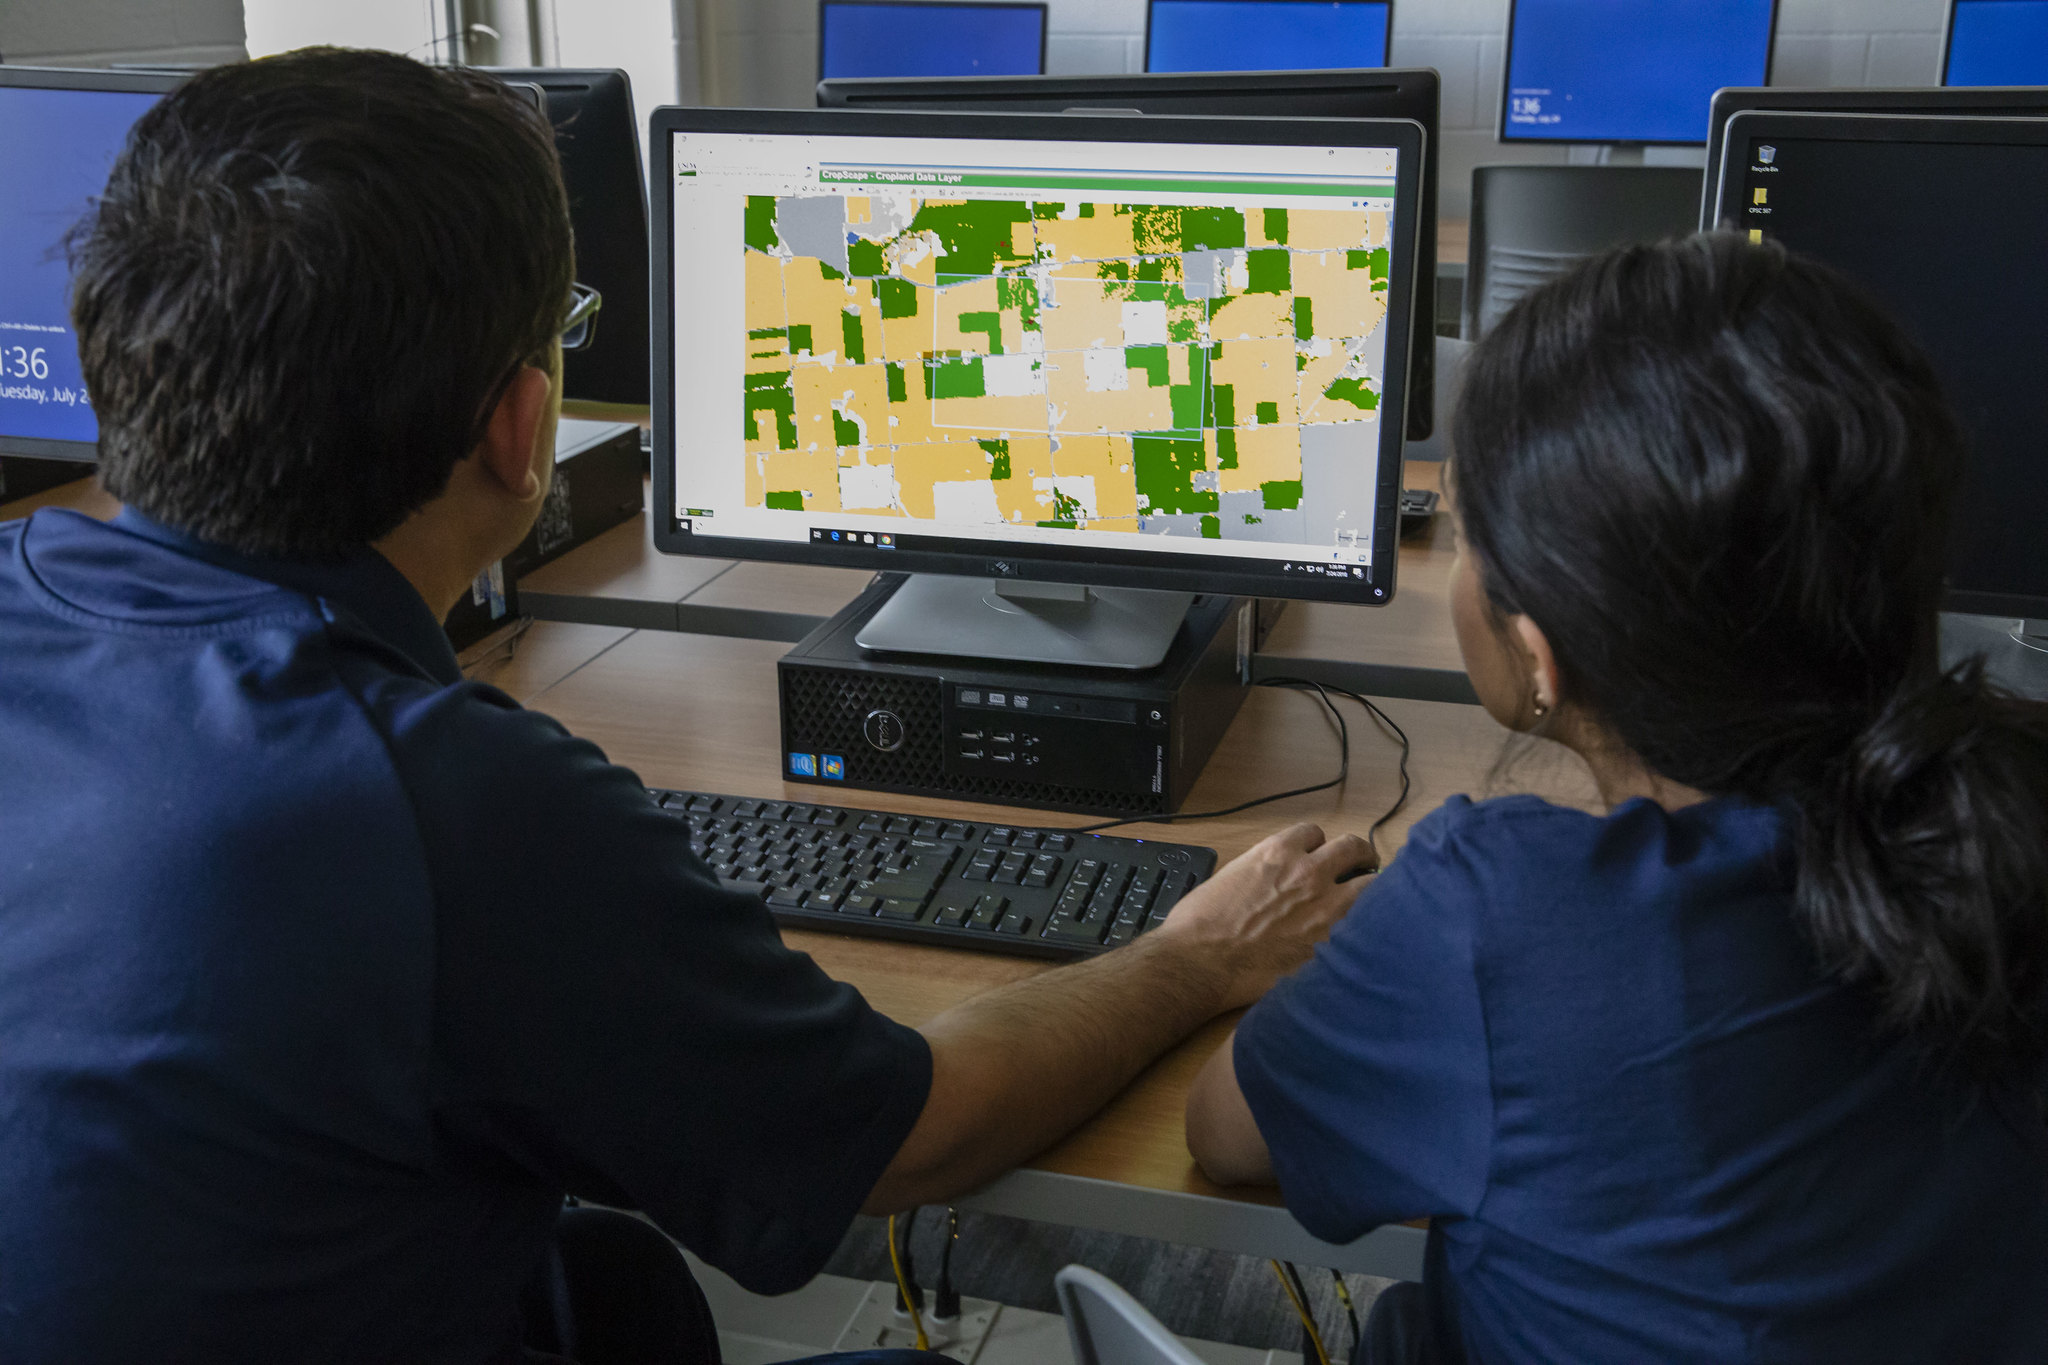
{"x":1540,"y":664}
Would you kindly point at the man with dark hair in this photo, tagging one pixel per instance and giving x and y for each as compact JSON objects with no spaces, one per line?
{"x":325,"y":974}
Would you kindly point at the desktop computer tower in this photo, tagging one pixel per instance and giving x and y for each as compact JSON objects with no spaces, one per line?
{"x":1090,"y":740}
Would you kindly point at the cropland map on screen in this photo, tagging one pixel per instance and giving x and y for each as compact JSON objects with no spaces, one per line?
{"x":1153,"y":369}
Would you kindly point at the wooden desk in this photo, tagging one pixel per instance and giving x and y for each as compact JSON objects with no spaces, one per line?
{"x":700,"y":711}
{"x":1404,"y":649}
{"x":81,"y":495}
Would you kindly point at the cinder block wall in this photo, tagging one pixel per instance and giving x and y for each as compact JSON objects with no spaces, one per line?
{"x":101,"y":32}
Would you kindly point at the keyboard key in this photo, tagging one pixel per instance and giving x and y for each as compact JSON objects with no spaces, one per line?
{"x":786,"y":898}
{"x":901,"y":824}
{"x":1014,"y":923}
{"x":980,"y":868}
{"x":988,"y":912}
{"x":745,"y":885}
{"x":874,"y":824}
{"x":705,"y":803}
{"x":828,"y":817}
{"x":1058,"y":842}
{"x":927,"y":829}
{"x":860,"y":904}
{"x":747,"y":810}
{"x":998,"y":835}
{"x":1064,"y":929}
{"x":1043,"y":869}
{"x":901,"y":911}
{"x":1025,"y":839}
{"x":951,"y":914}
{"x":956,"y":832}
{"x":1011,"y":868}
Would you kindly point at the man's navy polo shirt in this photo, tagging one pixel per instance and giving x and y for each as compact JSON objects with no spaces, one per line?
{"x":1600,"y":1054}
{"x":324,"y":974}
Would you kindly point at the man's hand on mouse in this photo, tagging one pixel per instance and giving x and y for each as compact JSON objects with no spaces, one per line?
{"x":1265,"y":911}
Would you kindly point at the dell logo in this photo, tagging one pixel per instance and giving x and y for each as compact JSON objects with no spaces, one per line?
{"x":884,"y":730}
{"x":1001,"y":568}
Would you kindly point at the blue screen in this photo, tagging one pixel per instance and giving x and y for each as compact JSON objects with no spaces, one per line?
{"x":1265,"y":35}
{"x":1628,"y":70}
{"x":856,"y":39}
{"x":54,"y":157}
{"x":1998,"y":42}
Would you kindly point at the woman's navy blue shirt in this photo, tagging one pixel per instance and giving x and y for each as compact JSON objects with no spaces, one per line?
{"x":1599,"y":1054}
{"x":324,"y":973}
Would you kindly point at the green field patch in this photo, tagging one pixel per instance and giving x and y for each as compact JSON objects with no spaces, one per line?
{"x":1266,"y":413}
{"x":1087,"y":210}
{"x":760,"y":230}
{"x":763,"y":333}
{"x":1222,"y":406}
{"x":1269,"y":269}
{"x":1066,"y":512}
{"x":770,"y":391}
{"x":1304,"y":319}
{"x":800,"y":339}
{"x":998,"y":456}
{"x":829,"y":273}
{"x":1375,"y":262}
{"x":1164,"y":465}
{"x":844,"y":431}
{"x":1281,"y":495}
{"x":1226,"y":448}
{"x":975,"y":234}
{"x":1276,"y":226}
{"x":953,"y":377}
{"x":786,"y":500}
{"x":1212,"y":528}
{"x":1045,"y":212}
{"x":1251,"y":520}
{"x":864,"y":258}
{"x":1152,"y":360}
{"x":1356,"y":392}
{"x":850,"y":336}
{"x":989,"y":325}
{"x":898,"y":298}
{"x":1190,"y":401}
{"x":1211,"y":229}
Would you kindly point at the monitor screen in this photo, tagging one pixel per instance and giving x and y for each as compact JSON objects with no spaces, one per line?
{"x":1943,"y":220}
{"x":1101,"y":356}
{"x":1626,"y":71}
{"x":1997,"y":42}
{"x":919,"y":38}
{"x":1265,"y":35}
{"x":54,"y":159}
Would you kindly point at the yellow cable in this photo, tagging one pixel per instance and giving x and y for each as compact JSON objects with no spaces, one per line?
{"x":903,"y":1287}
{"x":1315,"y":1338}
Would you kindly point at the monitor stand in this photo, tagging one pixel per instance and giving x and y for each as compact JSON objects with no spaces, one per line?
{"x":1047,"y":623}
{"x":2031,"y":634}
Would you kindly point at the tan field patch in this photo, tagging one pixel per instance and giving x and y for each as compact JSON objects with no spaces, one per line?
{"x":765,"y":307}
{"x":1342,"y":301}
{"x":1258,"y":371}
{"x":1264,"y":454}
{"x":1252,"y":315}
{"x":815,"y":473}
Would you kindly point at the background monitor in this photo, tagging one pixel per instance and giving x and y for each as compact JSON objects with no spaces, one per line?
{"x":926,"y":38}
{"x":1955,"y":254}
{"x":1131,"y":352}
{"x":1627,"y":71}
{"x":1403,"y":93}
{"x":1266,"y":35}
{"x":599,"y":140}
{"x":1996,"y":42}
{"x":63,"y":130}
{"x":2004,"y":100}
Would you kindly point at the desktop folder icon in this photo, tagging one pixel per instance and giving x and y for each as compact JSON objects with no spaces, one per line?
{"x":1762,"y":195}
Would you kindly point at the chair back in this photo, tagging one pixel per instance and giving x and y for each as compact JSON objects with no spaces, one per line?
{"x":1531,"y":224}
{"x":1109,"y":1327}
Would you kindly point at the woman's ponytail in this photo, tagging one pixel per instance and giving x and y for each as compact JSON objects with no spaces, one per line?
{"x":1923,"y":867}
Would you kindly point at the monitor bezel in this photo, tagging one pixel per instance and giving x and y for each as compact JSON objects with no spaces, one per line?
{"x":1958,"y":101}
{"x":603,"y":87}
{"x":1386,"y":45}
{"x":1507,"y":66}
{"x":1745,"y":125}
{"x":1419,"y":86}
{"x":1043,"y":7}
{"x":1115,"y":567}
{"x":66,"y":78}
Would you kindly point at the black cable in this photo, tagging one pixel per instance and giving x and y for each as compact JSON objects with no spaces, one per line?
{"x":1350,"y":1314}
{"x":946,"y":1303}
{"x":1322,"y":692}
{"x":1317,"y":1349}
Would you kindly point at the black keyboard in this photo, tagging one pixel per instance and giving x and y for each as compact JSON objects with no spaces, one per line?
{"x":999,"y":888}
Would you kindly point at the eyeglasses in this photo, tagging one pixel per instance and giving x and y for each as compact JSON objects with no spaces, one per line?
{"x":579,"y":328}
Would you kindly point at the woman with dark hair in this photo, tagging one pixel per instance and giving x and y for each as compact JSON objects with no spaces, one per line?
{"x":1751,"y":1067}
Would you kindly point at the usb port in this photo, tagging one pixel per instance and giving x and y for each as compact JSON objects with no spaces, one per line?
{"x":970,"y":736}
{"x":970,"y":753}
{"x":1004,"y":758}
{"x":1004,"y":738}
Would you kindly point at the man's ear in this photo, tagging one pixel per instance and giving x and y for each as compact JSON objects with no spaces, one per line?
{"x":505,"y":455}
{"x":1539,"y":662}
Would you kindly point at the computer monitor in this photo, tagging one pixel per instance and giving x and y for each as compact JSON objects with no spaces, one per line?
{"x":2015,"y":101}
{"x":63,"y":130}
{"x":1942,"y":218}
{"x":599,"y":141}
{"x":1995,"y":42}
{"x":1266,"y":35}
{"x":1626,"y":71}
{"x":1127,"y":353}
{"x":929,"y":38}
{"x":1402,"y":93}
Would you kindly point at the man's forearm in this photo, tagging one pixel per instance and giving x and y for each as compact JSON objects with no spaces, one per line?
{"x":1016,"y":1069}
